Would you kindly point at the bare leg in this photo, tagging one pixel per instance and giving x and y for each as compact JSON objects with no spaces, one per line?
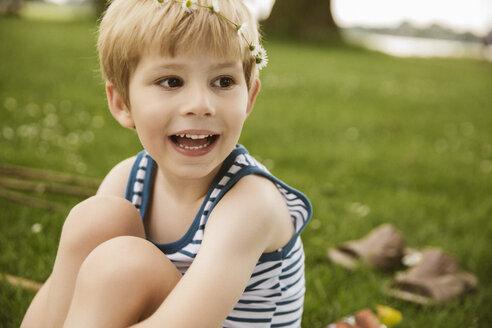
{"x":35,"y":315}
{"x":89,"y":224}
{"x":122,"y":282}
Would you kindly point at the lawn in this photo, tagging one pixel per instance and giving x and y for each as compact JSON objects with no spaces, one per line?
{"x":369,"y":138}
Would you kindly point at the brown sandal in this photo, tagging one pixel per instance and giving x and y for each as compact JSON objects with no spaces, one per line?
{"x":382,"y":248}
{"x":435,"y":279}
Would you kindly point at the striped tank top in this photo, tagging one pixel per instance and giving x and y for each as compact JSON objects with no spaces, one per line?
{"x":274,"y":295}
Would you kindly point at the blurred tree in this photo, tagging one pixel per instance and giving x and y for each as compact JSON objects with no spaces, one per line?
{"x":10,"y":6}
{"x":302,"y":19}
{"x":100,"y":6}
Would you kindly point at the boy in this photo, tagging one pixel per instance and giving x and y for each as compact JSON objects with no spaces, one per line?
{"x":206,"y":236}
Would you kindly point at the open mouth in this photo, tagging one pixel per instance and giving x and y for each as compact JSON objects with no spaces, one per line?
{"x":194,"y":141}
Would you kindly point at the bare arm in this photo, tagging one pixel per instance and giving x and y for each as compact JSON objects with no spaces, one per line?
{"x":115,"y":181}
{"x":236,"y":236}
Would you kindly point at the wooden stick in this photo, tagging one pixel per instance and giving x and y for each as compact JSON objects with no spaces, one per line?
{"x":32,"y":201}
{"x":52,"y":176}
{"x":23,"y":282}
{"x":42,"y":187}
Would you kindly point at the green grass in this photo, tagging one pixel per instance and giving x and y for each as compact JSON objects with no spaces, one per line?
{"x":369,"y":138}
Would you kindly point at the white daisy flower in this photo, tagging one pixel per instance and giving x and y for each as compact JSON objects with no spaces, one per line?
{"x":260,"y":55}
{"x":161,"y":3}
{"x":190,"y":5}
{"x":215,"y":6}
{"x":241,"y":28}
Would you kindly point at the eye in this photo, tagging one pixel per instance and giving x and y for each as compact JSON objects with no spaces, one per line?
{"x":171,"y":82}
{"x":223,"y":82}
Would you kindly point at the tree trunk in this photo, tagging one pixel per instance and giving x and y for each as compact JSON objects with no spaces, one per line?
{"x":99,"y":7}
{"x":302,"y":19}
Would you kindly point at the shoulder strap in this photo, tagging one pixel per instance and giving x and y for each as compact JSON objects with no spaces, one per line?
{"x":140,"y":182}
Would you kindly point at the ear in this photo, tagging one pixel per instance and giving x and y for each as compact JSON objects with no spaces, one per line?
{"x":117,"y":107}
{"x":253,"y":92}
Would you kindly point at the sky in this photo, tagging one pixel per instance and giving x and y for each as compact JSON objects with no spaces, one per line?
{"x":462,"y":15}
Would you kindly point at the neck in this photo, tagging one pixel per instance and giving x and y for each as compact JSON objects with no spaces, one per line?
{"x":185,"y":190}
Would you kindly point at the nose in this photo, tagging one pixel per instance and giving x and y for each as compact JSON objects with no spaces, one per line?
{"x":198,"y":102}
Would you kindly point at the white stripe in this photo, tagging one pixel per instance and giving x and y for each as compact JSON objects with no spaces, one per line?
{"x":289,"y":196}
{"x":296,"y":201}
{"x":224,"y":181}
{"x":141,"y":174}
{"x":144,"y":162}
{"x":299,"y":220}
{"x":241,"y":160}
{"x":138,"y":187}
{"x":288,"y":317}
{"x":301,"y":209}
{"x":192,"y":248}
{"x":136,"y":200}
{"x":208,"y":206}
{"x":234,"y":169}
{"x":234,"y":324}
{"x":215,"y":193}
{"x":250,"y":160}
{"x":267,"y":284}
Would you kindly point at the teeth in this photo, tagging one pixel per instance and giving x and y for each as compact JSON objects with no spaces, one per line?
{"x":196,"y":147}
{"x":195,"y":136}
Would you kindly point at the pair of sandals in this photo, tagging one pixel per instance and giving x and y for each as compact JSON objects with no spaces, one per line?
{"x":433,"y":276}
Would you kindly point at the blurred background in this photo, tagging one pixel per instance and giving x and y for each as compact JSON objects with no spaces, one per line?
{"x":378,"y":110}
{"x":401,"y":28}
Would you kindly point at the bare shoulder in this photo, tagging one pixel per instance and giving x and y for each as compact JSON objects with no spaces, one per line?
{"x":257,"y":204}
{"x":115,"y":181}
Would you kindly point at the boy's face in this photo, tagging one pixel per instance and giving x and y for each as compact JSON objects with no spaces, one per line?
{"x":188,"y":110}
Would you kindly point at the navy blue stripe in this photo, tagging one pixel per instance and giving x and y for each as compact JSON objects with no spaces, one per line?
{"x":255,"y":309}
{"x":291,"y":274}
{"x":287,"y":312}
{"x":290,"y":301}
{"x":285,"y":324}
{"x":291,"y":210}
{"x":292,"y":284}
{"x":249,"y":319}
{"x":296,"y":262}
{"x":260,"y":301}
{"x":252,"y":289}
{"x":273,"y":267}
{"x":139,"y":180}
{"x":132,"y":175}
{"x":259,"y":282}
{"x":182,"y":251}
{"x":293,"y":252}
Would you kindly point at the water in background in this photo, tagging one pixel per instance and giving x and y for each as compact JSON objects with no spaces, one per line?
{"x":418,"y":47}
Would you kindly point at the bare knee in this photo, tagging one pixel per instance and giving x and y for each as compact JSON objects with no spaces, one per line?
{"x":128,"y":258}
{"x":125,"y":273}
{"x":100,"y":218}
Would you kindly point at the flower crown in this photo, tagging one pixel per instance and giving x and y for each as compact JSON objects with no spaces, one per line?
{"x":257,"y":51}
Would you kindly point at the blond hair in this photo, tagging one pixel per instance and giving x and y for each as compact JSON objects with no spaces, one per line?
{"x":129,"y":28}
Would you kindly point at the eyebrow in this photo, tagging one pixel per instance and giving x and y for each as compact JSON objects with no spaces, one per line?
{"x":225,"y":65}
{"x":171,"y":66}
{"x":181,"y":66}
